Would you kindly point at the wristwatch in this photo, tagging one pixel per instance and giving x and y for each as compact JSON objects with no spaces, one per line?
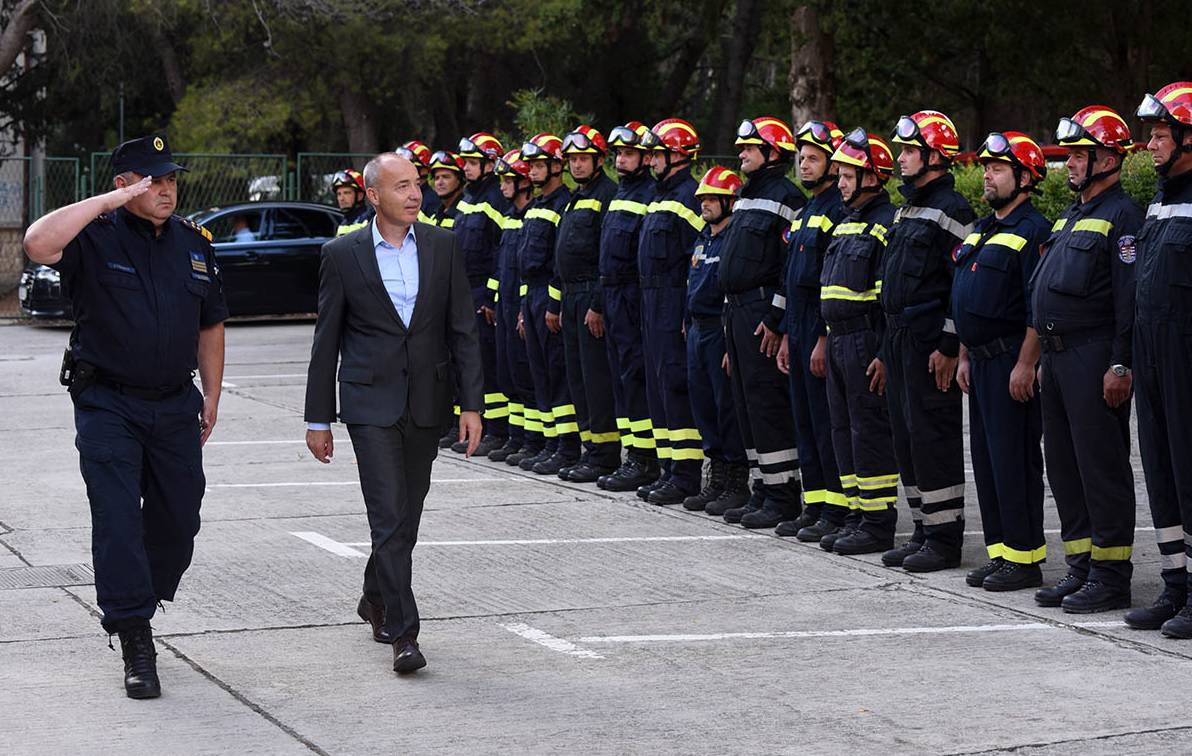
{"x":1120,"y":370}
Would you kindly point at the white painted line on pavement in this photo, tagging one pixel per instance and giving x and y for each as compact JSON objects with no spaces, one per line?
{"x":265,"y":443}
{"x":260,"y":377}
{"x":335,"y":547}
{"x":550,"y":541}
{"x":225,"y":384}
{"x":343,"y":483}
{"x":854,"y":632}
{"x":550,"y":641}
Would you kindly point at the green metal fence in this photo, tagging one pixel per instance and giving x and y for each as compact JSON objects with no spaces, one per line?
{"x":214,"y":180}
{"x":31,"y":187}
{"x":316,"y":169}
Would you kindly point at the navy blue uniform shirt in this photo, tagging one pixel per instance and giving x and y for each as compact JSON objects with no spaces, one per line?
{"x":1165,"y":254}
{"x":704,"y":298}
{"x":140,"y":299}
{"x":809,"y":237}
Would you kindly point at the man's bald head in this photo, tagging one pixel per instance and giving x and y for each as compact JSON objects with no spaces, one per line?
{"x":391,"y":185}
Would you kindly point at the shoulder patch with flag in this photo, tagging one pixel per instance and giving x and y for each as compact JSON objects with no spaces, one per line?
{"x":1127,"y":251}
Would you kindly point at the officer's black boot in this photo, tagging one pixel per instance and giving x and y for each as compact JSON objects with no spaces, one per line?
{"x":813,"y":533}
{"x":717,"y":476}
{"x":828,"y":540}
{"x":140,"y":662}
{"x":1173,"y":599}
{"x":587,"y":472}
{"x":781,"y":503}
{"x":501,"y":454}
{"x":552,"y":464}
{"x":895,"y":556}
{"x":1096,"y":596}
{"x":861,"y":541}
{"x":1054,"y":595}
{"x":643,"y":492}
{"x":488,"y":445}
{"x":735,"y":494}
{"x":632,"y":475}
{"x":808,"y":517}
{"x":1012,"y":576}
{"x":459,"y":447}
{"x":976,"y":578}
{"x":666,"y":494}
{"x":565,"y":472}
{"x":516,"y":458}
{"x":541,"y":455}
{"x":1179,"y":626}
{"x":929,"y":558}
{"x":755,"y":501}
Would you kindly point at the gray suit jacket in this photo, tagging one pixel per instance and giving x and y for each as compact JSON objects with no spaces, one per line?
{"x":385,"y":365}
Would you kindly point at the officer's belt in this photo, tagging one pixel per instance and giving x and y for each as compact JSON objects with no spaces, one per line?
{"x":707,"y":324}
{"x":579,"y":287}
{"x":1051,"y":342}
{"x":662,"y":282}
{"x":148,"y":394}
{"x":749,"y":296}
{"x":994,"y":348}
{"x":620,"y":279}
{"x":852,"y":325}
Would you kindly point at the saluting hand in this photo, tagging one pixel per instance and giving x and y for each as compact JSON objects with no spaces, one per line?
{"x":123,"y":195}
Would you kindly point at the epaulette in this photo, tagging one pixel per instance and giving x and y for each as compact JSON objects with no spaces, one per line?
{"x":200,"y":230}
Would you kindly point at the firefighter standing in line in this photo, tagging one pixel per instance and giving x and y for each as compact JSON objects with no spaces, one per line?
{"x":803,"y":353}
{"x":1082,"y":300}
{"x":664,"y":245}
{"x":621,"y":299}
{"x":513,"y":368}
{"x":419,"y":154}
{"x":920,"y":349}
{"x":577,"y":260}
{"x":479,"y":216}
{"x":852,"y":280}
{"x":999,"y":353}
{"x":707,"y":385}
{"x":1163,"y":370}
{"x":752,"y":261}
{"x":348,"y":186}
{"x":447,"y":181}
{"x":544,"y":345}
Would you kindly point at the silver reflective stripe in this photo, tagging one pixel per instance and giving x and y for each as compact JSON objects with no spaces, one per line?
{"x":949,"y":326}
{"x":942,"y":518}
{"x":773,"y":458}
{"x":1188,"y":538}
{"x":765,"y":205}
{"x":751,"y":455}
{"x":1170,"y":533}
{"x":1163,"y":212}
{"x":911,"y":492}
{"x":1172,"y":561}
{"x":936,"y":216}
{"x":711,"y":260}
{"x":944,"y":494}
{"x":779,"y":301}
{"x":778,"y":478}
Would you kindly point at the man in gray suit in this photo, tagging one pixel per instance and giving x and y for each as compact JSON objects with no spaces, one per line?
{"x":396,"y":314}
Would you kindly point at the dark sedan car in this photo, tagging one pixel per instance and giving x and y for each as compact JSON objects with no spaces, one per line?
{"x":268,"y":253}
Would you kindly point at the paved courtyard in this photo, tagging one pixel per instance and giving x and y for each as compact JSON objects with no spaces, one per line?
{"x":557,"y":618}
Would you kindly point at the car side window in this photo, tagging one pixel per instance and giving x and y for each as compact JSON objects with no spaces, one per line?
{"x":301,"y":223}
{"x":238,"y":226}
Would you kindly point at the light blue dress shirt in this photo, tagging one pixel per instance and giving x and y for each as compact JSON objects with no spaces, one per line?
{"x":399,"y":274}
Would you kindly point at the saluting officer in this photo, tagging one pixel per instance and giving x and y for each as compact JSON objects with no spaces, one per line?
{"x":751,"y":267}
{"x":1082,"y":300}
{"x":480,"y":213}
{"x":921,"y":347}
{"x":577,"y":260}
{"x":1162,"y":365}
{"x":998,"y":356}
{"x":803,"y":353}
{"x":149,"y":311}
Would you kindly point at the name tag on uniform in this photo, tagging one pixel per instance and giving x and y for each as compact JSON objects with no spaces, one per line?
{"x":122,"y":268}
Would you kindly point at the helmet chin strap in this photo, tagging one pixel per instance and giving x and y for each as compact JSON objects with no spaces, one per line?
{"x":1177,"y":133}
{"x":724,"y":211}
{"x":816,"y":182}
{"x":861,"y":188}
{"x":1089,"y":176}
{"x":925,"y":157}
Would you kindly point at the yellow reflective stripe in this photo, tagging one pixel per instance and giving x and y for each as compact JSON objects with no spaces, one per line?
{"x":879,"y":231}
{"x":638,"y":426}
{"x":496,"y":412}
{"x":554,"y":293}
{"x":467,"y":208}
{"x":835,"y":499}
{"x":493,"y":284}
{"x":682,"y":454}
{"x":664,"y":452}
{"x":994,"y":550}
{"x":424,"y":218}
{"x":841,"y":292}
{"x":662,"y":434}
{"x":845,"y":229}
{"x":542,"y":213}
{"x":822,"y":222}
{"x":497,"y":297}
{"x":521,"y":290}
{"x":877,"y":481}
{"x":563,"y":410}
{"x":848,"y":481}
{"x":684,"y":434}
{"x":815,"y":497}
{"x":679,"y":209}
{"x":1112,"y":553}
{"x":447,"y":223}
{"x":1093,"y":224}
{"x":496,"y":396}
{"x":972,"y":238}
{"x":1059,"y":225}
{"x":623,"y":423}
{"x":585,"y":436}
{"x":1023,"y":557}
{"x":1079,"y":546}
{"x":348,"y":228}
{"x":629,"y":206}
{"x":605,"y":438}
{"x":1013,"y":241}
{"x":455,"y":409}
{"x":511,"y":223}
{"x":871,"y":505}
{"x":588,"y":204}
{"x":645,"y":443}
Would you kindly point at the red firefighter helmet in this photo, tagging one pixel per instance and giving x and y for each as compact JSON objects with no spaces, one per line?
{"x":930,"y":129}
{"x":823,"y":134}
{"x":869,"y":152}
{"x":585,"y":140}
{"x":719,"y":180}
{"x":769,"y":131}
{"x":1015,"y":148}
{"x":673,"y":135}
{"x":481,"y":145}
{"x":543,"y":146}
{"x":1094,"y":126}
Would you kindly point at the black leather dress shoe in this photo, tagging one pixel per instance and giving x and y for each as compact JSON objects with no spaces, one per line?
{"x":976,"y":577}
{"x":406,"y":657}
{"x":1054,"y":595}
{"x":1170,"y":603}
{"x":587,"y":473}
{"x":929,"y":558}
{"x":1012,"y":576}
{"x":140,"y":662}
{"x":1095,"y":596}
{"x":375,"y":616}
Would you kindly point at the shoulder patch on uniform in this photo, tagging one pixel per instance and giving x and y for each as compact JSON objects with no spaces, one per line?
{"x":200,"y":230}
{"x":1127,"y":251}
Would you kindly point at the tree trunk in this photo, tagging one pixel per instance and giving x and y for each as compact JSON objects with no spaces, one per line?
{"x":812,"y":82}
{"x":169,"y":64}
{"x":690,"y":51}
{"x":737,"y":50}
{"x":12,"y":39}
{"x":360,"y":122}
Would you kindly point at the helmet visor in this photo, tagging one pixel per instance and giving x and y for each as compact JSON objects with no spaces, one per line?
{"x":651,"y":141}
{"x":856,"y":147}
{"x":467,"y":145}
{"x":747,"y":130}
{"x":576,"y":141}
{"x":623,"y":136}
{"x":816,"y":131}
{"x":407,"y":153}
{"x":907,"y":128}
{"x":996,"y":145}
{"x":1070,"y":131}
{"x":531,"y":151}
{"x":443,"y":159}
{"x":342,"y":178}
{"x":1151,"y":109}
